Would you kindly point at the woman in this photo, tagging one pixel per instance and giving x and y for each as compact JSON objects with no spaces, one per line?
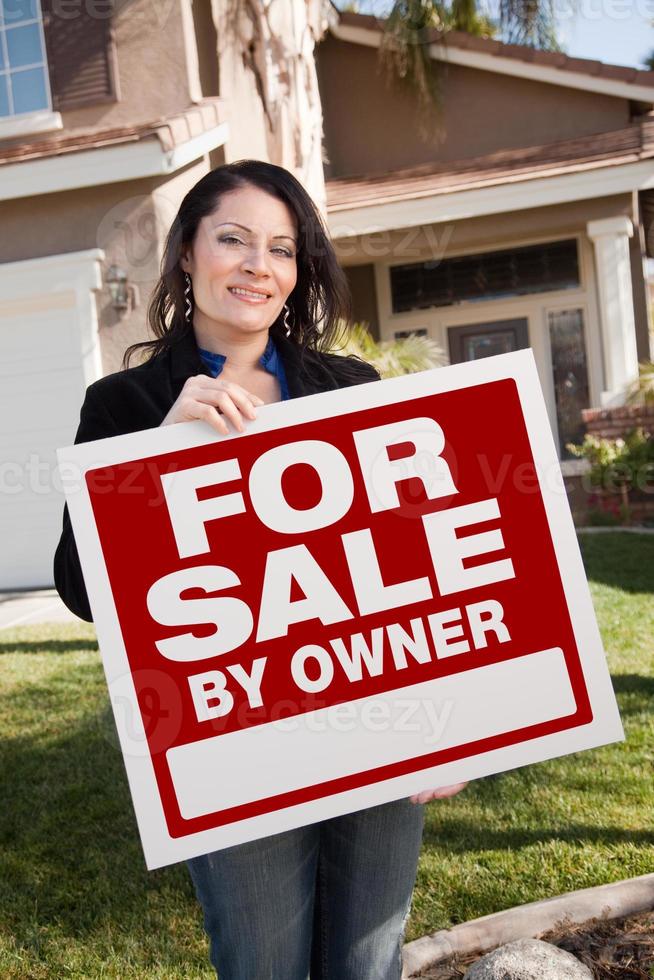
{"x":244,"y":314}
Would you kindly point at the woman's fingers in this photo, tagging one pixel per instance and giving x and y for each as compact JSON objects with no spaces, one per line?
{"x":443,"y":793}
{"x":224,"y":403}
{"x":209,"y":414}
{"x":203,"y":382}
{"x":230,"y":399}
{"x":216,"y":402}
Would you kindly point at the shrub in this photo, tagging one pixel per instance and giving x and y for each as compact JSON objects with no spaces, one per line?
{"x":618,"y":465}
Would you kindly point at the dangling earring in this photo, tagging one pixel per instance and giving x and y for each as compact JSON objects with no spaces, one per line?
{"x":188,"y":312}
{"x":287,"y":326}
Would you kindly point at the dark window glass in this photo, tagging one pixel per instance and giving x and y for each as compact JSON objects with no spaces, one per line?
{"x":510,"y":272}
{"x":570,"y":375}
{"x":476,"y":340}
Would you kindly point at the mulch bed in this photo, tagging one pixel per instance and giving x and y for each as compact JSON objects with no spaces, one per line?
{"x":616,"y":949}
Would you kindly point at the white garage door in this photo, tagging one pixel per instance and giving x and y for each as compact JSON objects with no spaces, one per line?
{"x":44,"y":371}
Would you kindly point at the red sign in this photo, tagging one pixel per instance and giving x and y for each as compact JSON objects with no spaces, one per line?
{"x":388,"y":565}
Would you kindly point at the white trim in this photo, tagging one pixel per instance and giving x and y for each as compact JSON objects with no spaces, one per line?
{"x":619,"y":224}
{"x":610,"y":238}
{"x":516,"y":194}
{"x":78,"y":273}
{"x":42,"y":121}
{"x":195,"y":148}
{"x":55,"y":273}
{"x":482,"y":61}
{"x":104,"y":165}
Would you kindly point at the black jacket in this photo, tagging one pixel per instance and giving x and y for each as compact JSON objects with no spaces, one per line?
{"x":140,"y":398}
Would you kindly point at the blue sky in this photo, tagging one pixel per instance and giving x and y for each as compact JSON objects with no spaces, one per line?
{"x":619,"y":32}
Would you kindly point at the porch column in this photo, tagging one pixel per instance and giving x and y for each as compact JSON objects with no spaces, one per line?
{"x":610,"y":238}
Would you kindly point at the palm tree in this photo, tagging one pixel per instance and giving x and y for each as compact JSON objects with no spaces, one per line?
{"x":391,"y":357}
{"x":409,"y":28}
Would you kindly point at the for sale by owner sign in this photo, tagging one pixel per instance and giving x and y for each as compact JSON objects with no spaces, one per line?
{"x":368,"y":593}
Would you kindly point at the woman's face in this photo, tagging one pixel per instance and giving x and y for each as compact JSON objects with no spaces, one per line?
{"x":248,"y":241}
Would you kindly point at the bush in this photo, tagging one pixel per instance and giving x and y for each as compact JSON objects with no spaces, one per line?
{"x":618,"y":465}
{"x":641,"y":392}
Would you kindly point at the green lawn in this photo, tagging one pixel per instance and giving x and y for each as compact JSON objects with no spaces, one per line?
{"x":76,"y":901}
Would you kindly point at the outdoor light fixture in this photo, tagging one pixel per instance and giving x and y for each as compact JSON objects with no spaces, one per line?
{"x":124,"y":295}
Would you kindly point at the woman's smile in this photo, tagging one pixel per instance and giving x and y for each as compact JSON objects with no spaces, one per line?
{"x":248,"y":296}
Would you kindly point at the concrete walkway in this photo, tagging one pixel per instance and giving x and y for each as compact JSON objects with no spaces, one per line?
{"x":26,"y":608}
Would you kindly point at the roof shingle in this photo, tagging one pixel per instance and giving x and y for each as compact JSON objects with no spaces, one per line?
{"x":171,"y":131}
{"x":634,"y":142}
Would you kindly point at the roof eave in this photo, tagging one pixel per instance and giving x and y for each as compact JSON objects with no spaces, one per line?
{"x":369,"y":34}
{"x":129,"y":159}
{"x":522,"y":193}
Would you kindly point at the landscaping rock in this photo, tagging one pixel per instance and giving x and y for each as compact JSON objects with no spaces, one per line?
{"x":528,"y":959}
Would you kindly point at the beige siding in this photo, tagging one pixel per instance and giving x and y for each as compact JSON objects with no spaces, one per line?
{"x":475,"y":234}
{"x":150,"y":44}
{"x":369,"y":129}
{"x":129,"y":221}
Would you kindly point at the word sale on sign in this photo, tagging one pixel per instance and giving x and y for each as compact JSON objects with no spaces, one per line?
{"x":368,"y":593}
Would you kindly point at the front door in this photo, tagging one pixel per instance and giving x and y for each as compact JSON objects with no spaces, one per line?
{"x":476,"y":340}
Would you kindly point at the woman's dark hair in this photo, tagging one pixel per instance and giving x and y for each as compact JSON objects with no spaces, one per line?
{"x":319,"y":304}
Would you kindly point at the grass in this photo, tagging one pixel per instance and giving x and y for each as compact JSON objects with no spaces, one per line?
{"x":76,"y":900}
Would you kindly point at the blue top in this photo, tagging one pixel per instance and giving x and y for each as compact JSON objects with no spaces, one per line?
{"x":270,"y":360}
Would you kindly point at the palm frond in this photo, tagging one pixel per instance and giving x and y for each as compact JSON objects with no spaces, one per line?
{"x":404,"y":56}
{"x":393,"y":357}
{"x":404,"y":49}
{"x":641,"y":391}
{"x":529,"y":22}
{"x":465,"y":15}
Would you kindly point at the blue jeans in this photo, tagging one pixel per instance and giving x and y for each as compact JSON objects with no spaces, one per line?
{"x":329,"y":900}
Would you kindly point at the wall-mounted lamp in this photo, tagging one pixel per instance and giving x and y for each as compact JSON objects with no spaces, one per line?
{"x":124,"y":295}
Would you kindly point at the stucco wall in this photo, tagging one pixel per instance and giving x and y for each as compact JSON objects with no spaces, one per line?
{"x":370,"y":129}
{"x":150,"y":42}
{"x":455,"y":237}
{"x":270,"y":89}
{"x":128,"y":220}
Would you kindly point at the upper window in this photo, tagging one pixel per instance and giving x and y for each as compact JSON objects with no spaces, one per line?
{"x":23,"y":66}
{"x":489,"y":275}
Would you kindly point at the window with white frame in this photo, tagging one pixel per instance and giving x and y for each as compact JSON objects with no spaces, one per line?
{"x":24,"y":83}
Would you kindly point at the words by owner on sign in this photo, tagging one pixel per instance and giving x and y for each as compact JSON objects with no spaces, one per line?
{"x":320,"y":612}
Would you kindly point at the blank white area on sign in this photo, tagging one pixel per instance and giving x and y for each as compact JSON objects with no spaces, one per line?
{"x":281,"y":756}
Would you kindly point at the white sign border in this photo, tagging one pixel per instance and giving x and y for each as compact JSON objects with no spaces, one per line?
{"x":75,"y":461}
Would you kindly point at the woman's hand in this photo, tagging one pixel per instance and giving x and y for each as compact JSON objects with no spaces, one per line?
{"x":214,"y":401}
{"x":438,"y":794}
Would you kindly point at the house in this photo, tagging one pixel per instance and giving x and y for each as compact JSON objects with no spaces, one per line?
{"x":109,"y":113}
{"x":528,"y":225}
{"x":524,"y":222}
